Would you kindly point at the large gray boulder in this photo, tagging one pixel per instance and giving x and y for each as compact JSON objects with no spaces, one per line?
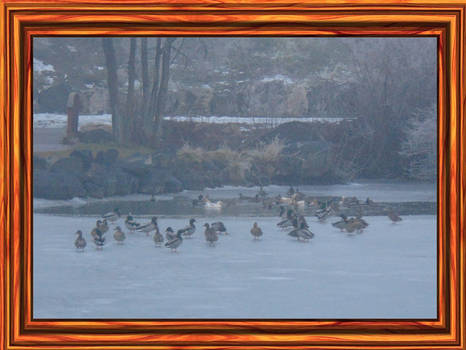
{"x":104,"y":181}
{"x":85,"y":156}
{"x":159,"y":181}
{"x":68,"y":165}
{"x":108,"y":157}
{"x":57,"y":185}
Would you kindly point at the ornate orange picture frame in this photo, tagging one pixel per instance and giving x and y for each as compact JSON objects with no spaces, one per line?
{"x":21,"y":21}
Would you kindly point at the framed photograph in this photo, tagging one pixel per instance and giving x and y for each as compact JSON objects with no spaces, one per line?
{"x":195,"y":175}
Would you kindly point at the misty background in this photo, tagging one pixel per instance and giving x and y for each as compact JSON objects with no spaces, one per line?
{"x":372,"y":102}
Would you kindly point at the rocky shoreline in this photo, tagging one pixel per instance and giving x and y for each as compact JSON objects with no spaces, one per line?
{"x":105,"y":173}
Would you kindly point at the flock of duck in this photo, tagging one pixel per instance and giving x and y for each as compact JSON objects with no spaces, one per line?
{"x":173,"y":240}
{"x":291,"y":221}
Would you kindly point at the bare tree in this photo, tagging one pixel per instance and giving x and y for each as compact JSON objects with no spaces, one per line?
{"x":126,"y":131}
{"x":112,"y":82}
{"x":124,"y":118}
{"x":144,"y":74}
{"x":155,"y":107}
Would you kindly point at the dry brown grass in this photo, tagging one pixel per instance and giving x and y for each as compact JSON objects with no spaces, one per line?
{"x":268,"y":152}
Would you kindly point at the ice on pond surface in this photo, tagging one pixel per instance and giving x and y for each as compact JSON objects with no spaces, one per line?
{"x":377,"y":191}
{"x":388,"y":271}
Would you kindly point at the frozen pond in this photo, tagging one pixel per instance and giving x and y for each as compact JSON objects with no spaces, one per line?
{"x":389,"y":271}
{"x":377,"y":191}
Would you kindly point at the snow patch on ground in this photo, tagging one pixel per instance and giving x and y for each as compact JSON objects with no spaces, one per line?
{"x":54,"y":120}
{"x":278,"y":77}
{"x":389,"y":271}
{"x":77,"y":201}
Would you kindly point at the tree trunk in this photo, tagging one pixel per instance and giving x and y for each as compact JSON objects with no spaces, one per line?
{"x":151,"y":103}
{"x":145,"y":75}
{"x":126,"y":131}
{"x":112,"y":82}
{"x":163,"y":89}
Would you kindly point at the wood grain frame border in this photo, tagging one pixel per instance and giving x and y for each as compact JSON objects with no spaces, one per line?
{"x":21,"y":21}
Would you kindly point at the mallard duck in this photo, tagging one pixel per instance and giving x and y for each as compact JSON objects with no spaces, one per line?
{"x":175,"y":242}
{"x":113,"y":215}
{"x":256,"y":231}
{"x":130,"y":224}
{"x":95,"y":229}
{"x":169,"y":234}
{"x":158,"y":238}
{"x":323,"y":214}
{"x":342,"y":223}
{"x":102,"y":225}
{"x":210,"y":234}
{"x":119,"y":235}
{"x":362,"y":222}
{"x":219,"y":227}
{"x":355,"y":224}
{"x":301,"y":233}
{"x":150,"y":226}
{"x":393,"y":216}
{"x":99,"y":238}
{"x":288,"y":222}
{"x":80,"y":242}
{"x":189,"y":230}
{"x":291,"y":191}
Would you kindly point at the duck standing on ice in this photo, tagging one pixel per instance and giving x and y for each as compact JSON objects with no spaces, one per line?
{"x":158,"y":238}
{"x":102,"y":225}
{"x":150,"y":226}
{"x":256,"y":231}
{"x":99,"y":238}
{"x":219,"y":227}
{"x":393,"y":216}
{"x":302,"y":232}
{"x":112,"y":216}
{"x":169,"y":234}
{"x":175,"y":242}
{"x":288,"y":221}
{"x":80,"y":242}
{"x":342,"y":223}
{"x":119,"y":235}
{"x":130,"y":224}
{"x":189,"y":230}
{"x":210,"y":235}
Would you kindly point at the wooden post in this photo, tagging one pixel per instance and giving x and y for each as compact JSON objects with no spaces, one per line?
{"x":73,"y":107}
